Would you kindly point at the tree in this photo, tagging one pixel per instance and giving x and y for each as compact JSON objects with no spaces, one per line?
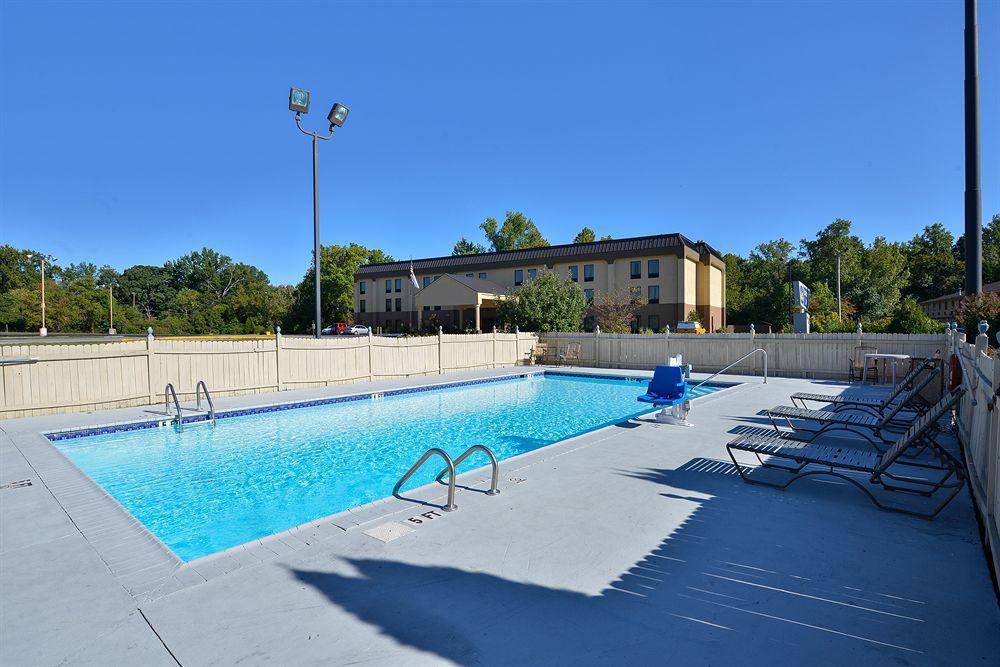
{"x":615,"y":311}
{"x":466,"y":247}
{"x":910,"y":318}
{"x":151,"y":287}
{"x":587,"y":235}
{"x":975,"y":309}
{"x":516,"y":233}
{"x":694,"y":316}
{"x":545,"y":304}
{"x":820,"y":255}
{"x":934,"y":269}
{"x":880,"y":280}
{"x":337,"y":267}
{"x":764,"y":294}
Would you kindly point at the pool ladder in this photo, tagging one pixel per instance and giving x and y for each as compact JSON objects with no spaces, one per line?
{"x":170,"y":393}
{"x":450,"y":471}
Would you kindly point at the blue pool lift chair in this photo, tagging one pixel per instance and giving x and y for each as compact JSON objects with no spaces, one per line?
{"x":668,"y":389}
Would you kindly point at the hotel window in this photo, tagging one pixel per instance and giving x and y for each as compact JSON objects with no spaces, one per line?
{"x":653,"y":293}
{"x":653,"y":268}
{"x":654,"y":323}
{"x":437,"y":307}
{"x":399,"y":285}
{"x":388,"y":305}
{"x":427,"y":307}
{"x":482,"y":276}
{"x":574,"y":273}
{"x":427,"y":281}
{"x":361,"y":305}
{"x":635,"y":270}
{"x":518,"y":277}
{"x":588,"y":273}
{"x":588,"y":294}
{"x":470,"y":275}
{"x":532,"y":274}
{"x":399,"y":304}
{"x":361,"y":287}
{"x":388,"y":285}
{"x":635,"y":292}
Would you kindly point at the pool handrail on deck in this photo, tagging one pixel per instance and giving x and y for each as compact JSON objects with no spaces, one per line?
{"x":451,"y":481}
{"x":748,"y":354}
{"x":494,"y":491}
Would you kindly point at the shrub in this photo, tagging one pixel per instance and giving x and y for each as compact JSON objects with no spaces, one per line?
{"x":910,"y":318}
{"x":974,"y":309}
{"x":614,"y":312}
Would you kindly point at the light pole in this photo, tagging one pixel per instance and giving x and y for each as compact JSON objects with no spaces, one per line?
{"x":840,"y":313}
{"x":111,"y":312}
{"x":973,"y":186}
{"x":298,"y":101}
{"x":42,"y":257}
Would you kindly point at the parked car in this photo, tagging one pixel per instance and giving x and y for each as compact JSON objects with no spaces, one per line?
{"x":357,"y":330}
{"x":335,"y":329}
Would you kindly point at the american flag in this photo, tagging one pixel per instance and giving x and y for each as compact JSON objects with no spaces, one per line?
{"x":413,"y":278}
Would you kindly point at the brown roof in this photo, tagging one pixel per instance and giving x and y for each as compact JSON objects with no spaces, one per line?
{"x":451,"y":263}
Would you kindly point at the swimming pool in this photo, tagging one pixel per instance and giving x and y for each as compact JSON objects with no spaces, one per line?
{"x":206,"y":489}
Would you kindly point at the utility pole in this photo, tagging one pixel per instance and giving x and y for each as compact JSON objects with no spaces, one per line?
{"x":840,"y":312}
{"x":973,"y":191}
{"x":111,"y":312}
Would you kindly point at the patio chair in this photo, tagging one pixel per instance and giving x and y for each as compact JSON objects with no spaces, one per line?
{"x":571,"y":354}
{"x":875,"y":406}
{"x":881,"y":468}
{"x":539,"y":353}
{"x":857,"y":365}
{"x":871,"y":428}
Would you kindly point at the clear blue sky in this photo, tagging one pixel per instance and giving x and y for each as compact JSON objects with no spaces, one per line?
{"x":133,"y":133}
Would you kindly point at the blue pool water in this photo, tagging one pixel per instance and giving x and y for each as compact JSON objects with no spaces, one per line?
{"x":208,"y":489}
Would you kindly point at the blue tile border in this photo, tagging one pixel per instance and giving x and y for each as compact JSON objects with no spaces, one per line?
{"x":56,"y":436}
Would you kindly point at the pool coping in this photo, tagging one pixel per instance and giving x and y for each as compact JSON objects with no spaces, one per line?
{"x":148,"y":569}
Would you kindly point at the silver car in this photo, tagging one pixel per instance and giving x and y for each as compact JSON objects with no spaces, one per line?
{"x":357,"y":330}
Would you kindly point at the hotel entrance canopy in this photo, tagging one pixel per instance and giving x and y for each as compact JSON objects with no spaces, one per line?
{"x":459,"y":293}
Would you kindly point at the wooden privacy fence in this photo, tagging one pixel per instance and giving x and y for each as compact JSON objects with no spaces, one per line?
{"x":50,"y":378}
{"x":978,"y":428}
{"x":794,"y":355}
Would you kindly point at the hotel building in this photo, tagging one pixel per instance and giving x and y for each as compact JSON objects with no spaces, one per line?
{"x":672,"y":274}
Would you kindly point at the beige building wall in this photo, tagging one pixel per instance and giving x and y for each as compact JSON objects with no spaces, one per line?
{"x":686,"y":281}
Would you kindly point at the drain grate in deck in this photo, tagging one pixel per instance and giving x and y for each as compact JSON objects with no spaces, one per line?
{"x":19,"y":484}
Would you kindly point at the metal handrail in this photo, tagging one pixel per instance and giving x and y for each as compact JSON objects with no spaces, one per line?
{"x":493,"y":463}
{"x":451,"y":469}
{"x":208,"y":397}
{"x":167,"y":393}
{"x":748,"y":354}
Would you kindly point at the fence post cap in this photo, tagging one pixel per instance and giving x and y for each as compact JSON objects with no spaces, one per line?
{"x":149,"y":331}
{"x":277,"y":330}
{"x":517,"y":329}
{"x":597,"y":329}
{"x":753,"y":329}
{"x":983,"y":326}
{"x":859,"y":327}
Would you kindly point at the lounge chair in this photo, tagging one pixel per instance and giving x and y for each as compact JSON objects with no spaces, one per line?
{"x":874,"y":406}
{"x":882,"y":468}
{"x":571,"y":354}
{"x":871,"y":428}
{"x":667,"y":389}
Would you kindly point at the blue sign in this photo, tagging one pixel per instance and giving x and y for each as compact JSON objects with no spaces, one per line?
{"x":800,"y":295}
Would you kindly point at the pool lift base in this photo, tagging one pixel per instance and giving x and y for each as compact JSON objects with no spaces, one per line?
{"x":676,"y":415}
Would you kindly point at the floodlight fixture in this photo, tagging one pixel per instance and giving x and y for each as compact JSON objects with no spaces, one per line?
{"x":298,"y":100}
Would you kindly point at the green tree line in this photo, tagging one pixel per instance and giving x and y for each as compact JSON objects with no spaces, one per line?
{"x":208,"y":292}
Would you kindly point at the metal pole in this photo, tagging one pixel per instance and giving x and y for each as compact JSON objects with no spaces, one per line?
{"x":840,"y":312}
{"x":43,"y":330}
{"x":316,"y":250}
{"x":973,"y":192}
{"x":111,"y":310}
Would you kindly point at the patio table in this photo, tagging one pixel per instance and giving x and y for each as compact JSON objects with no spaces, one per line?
{"x":895,"y":358}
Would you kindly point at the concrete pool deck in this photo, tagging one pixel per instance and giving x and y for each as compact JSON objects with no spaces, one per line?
{"x":636,"y":543}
